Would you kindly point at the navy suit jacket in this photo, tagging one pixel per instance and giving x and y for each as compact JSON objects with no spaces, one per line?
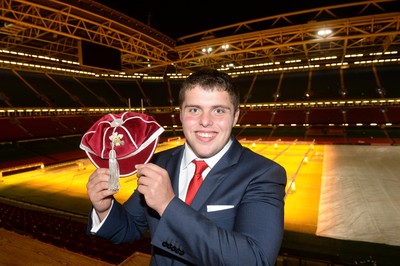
{"x":236,"y":217}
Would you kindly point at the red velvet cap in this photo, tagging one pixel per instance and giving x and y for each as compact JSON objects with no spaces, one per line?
{"x":133,"y":137}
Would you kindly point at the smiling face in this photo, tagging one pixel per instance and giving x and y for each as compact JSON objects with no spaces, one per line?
{"x":207,"y":118}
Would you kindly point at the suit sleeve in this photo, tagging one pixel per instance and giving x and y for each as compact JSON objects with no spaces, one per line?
{"x":124,"y":225}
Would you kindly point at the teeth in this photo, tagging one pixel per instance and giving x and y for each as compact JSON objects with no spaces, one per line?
{"x":205,"y":135}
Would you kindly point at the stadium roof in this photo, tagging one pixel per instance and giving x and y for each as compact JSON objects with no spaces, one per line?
{"x":47,"y":35}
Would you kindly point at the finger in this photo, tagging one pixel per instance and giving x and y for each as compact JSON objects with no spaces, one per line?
{"x":99,"y":173}
{"x":152,"y":166}
{"x":144,"y":180}
{"x":99,"y":180}
{"x":143,"y":187}
{"x":149,"y":170}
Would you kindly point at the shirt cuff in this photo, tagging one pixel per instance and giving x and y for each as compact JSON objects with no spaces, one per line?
{"x":96,"y":224}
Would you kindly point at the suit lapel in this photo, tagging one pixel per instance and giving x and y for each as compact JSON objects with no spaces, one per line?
{"x":173,"y":167}
{"x":218,"y":174}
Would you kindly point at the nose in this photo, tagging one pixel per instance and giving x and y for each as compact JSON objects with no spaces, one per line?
{"x":205,"y":119}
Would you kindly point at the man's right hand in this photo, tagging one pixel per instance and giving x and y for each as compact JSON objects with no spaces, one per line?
{"x":98,"y":192}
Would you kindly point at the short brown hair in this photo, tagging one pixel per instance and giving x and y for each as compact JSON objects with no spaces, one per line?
{"x":210,"y":79}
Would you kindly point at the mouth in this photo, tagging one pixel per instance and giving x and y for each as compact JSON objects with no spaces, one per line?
{"x":206,"y":134}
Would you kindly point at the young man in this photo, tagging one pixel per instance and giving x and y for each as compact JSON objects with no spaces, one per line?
{"x":237,"y":215}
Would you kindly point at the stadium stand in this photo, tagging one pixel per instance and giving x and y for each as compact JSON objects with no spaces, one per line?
{"x":44,"y":112}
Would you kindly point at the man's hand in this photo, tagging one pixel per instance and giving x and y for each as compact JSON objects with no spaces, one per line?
{"x":98,"y":192}
{"x":154,"y":183}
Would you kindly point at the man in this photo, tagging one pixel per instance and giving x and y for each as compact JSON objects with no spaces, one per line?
{"x":237,"y":215}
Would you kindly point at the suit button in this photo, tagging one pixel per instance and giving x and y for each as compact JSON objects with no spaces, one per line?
{"x":164,"y":244}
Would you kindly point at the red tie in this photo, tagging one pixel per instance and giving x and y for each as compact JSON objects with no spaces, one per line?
{"x":196,"y":181}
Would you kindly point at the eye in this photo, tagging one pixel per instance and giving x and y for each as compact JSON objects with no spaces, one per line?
{"x":220,"y":111}
{"x":193,"y":110}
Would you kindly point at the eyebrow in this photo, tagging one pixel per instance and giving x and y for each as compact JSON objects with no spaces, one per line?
{"x":213,"y":107}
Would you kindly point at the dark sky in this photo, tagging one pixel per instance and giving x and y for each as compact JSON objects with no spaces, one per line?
{"x":179,"y":18}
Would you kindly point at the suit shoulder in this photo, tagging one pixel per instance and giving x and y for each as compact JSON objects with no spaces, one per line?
{"x":255,"y":165}
{"x":255,"y":158}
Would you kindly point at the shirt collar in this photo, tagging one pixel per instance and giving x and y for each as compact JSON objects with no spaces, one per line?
{"x":189,"y":156}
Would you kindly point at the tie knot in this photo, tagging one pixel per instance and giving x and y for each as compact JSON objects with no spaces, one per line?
{"x":200,"y":166}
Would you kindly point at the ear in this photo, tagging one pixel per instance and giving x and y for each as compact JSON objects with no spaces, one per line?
{"x":236,"y":117}
{"x":180,"y":114}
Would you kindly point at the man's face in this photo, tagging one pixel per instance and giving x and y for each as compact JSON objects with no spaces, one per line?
{"x":207,"y":119}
